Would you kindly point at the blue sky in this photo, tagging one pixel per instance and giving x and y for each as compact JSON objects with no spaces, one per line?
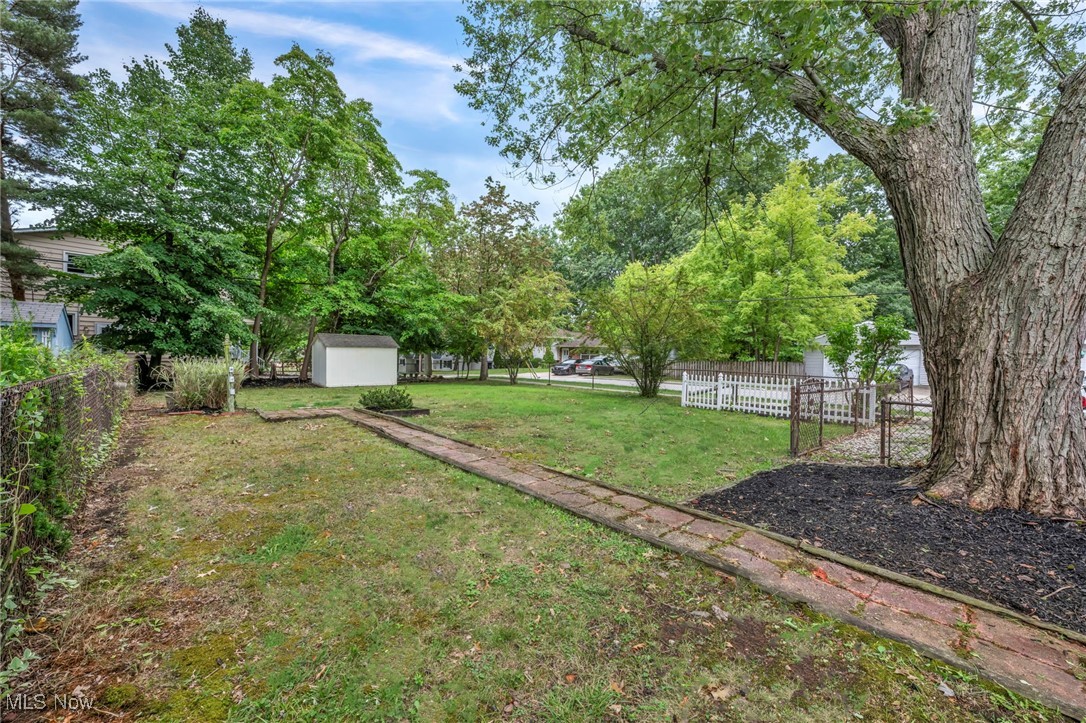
{"x":398,"y":56}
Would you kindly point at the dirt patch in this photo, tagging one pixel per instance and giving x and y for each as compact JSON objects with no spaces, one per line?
{"x":105,"y":639}
{"x":751,"y":638}
{"x":1021,"y":561}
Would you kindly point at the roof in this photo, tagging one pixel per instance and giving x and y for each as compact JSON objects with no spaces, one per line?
{"x":913,"y":340}
{"x":372,"y":341}
{"x":38,"y":313}
{"x":582,"y":341}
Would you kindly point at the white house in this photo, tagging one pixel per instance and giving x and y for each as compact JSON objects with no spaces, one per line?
{"x":816,"y":365}
{"x":354,"y":360}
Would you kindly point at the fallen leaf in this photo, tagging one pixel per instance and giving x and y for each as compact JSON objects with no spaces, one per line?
{"x":717,"y":691}
{"x":570,"y":677}
{"x":615,"y":708}
{"x":820,"y":574}
{"x":933,"y":573}
{"x":617,"y":687}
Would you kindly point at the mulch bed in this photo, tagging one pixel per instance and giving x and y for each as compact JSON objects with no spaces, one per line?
{"x":1020,"y":561}
{"x":262,"y":382}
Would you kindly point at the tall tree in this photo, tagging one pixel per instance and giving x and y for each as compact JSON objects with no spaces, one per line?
{"x":146,"y":170}
{"x":1002,"y":318}
{"x":37,"y":54}
{"x":497,"y":244}
{"x":764,"y":254}
{"x":629,"y":215}
{"x":875,"y":255}
{"x":348,"y":196}
{"x":281,"y":135}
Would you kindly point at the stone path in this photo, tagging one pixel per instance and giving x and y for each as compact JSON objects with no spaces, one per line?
{"x":1022,"y":657}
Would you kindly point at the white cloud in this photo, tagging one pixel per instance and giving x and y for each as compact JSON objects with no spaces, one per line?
{"x":364,"y":45}
{"x":424,"y":98}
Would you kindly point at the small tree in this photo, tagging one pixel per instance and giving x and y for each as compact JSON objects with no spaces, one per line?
{"x":548,"y":356}
{"x":649,"y":315}
{"x":879,"y":347}
{"x":869,"y":350}
{"x":842,"y":348}
{"x":522,"y":317}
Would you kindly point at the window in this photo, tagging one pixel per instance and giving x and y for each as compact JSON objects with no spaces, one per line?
{"x":101,"y":326}
{"x":73,"y":263}
{"x":44,"y":337}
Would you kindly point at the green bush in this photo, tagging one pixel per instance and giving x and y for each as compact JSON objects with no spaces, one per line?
{"x":22,"y":358}
{"x":380,"y":400}
{"x":195,"y":382}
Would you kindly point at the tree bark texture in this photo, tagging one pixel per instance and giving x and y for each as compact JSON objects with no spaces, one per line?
{"x":1002,"y":320}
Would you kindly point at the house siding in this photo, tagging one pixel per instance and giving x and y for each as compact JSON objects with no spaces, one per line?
{"x":51,"y":252}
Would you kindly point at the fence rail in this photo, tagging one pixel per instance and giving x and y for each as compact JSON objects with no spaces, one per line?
{"x":704,"y":368}
{"x":51,"y":434}
{"x":773,"y":396}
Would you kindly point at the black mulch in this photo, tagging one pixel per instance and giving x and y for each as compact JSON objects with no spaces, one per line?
{"x":1026,"y":563}
{"x":262,"y":382}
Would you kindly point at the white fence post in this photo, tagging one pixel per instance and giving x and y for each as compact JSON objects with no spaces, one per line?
{"x":684,"y":401}
{"x":720,"y":390}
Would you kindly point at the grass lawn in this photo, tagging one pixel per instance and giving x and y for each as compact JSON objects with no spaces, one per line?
{"x":310,"y":571}
{"x":652,"y":446}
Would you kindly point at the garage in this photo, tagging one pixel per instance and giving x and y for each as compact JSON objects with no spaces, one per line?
{"x":354,"y":360}
{"x":815,"y":363}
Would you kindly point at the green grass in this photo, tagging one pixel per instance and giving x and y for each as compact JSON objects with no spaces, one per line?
{"x":310,"y":571}
{"x":655,"y":446}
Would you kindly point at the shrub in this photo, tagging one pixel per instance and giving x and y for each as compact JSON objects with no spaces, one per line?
{"x":195,"y":382}
{"x":22,"y":358}
{"x":380,"y":400}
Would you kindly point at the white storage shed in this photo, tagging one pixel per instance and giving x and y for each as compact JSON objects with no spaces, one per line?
{"x":816,"y":365}
{"x":354,"y":360}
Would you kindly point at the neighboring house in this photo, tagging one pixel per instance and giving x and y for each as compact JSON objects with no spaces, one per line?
{"x":816,"y":365}
{"x":48,"y":322}
{"x":63,"y":252}
{"x":354,"y":360}
{"x":579,"y":347}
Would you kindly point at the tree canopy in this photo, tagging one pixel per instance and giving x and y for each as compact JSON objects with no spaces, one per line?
{"x":771,"y":271}
{"x":37,"y":57}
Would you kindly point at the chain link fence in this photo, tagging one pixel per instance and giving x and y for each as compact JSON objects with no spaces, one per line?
{"x":53,"y":434}
{"x":820,"y":412}
{"x":905,"y":432}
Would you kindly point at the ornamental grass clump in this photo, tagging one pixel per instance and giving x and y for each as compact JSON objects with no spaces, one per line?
{"x":195,"y":383}
{"x":382,"y":400}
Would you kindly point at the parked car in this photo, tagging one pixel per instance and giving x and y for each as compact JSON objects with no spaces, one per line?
{"x":903,"y":375}
{"x":597,"y":366}
{"x":563,"y":368}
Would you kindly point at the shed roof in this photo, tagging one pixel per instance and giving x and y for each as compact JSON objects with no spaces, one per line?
{"x":38,"y":313}
{"x":373,"y":341}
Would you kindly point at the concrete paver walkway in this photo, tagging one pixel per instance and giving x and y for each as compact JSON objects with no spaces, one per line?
{"x":1022,"y":657}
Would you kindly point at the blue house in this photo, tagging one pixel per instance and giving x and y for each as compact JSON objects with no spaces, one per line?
{"x":48,"y":321}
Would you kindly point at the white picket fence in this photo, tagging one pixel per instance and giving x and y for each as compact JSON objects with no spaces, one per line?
{"x":772,"y":396}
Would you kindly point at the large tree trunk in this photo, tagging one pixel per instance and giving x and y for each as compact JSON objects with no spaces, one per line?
{"x":1002,"y":321}
{"x":484,"y":369}
{"x":1010,"y":430}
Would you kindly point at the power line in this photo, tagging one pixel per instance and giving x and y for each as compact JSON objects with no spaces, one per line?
{"x":808,"y":298}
